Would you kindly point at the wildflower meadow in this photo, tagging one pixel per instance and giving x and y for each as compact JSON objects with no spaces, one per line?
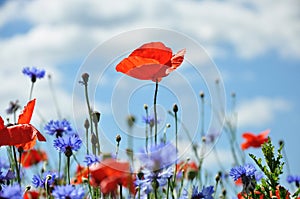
{"x":62,"y":160}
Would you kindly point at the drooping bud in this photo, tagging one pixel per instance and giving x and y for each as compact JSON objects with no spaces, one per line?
{"x":145,"y":106}
{"x":201,"y":94}
{"x":85,"y":78}
{"x":86,"y":124}
{"x":175,"y":108}
{"x":130,"y":120}
{"x":118,"y":138}
{"x":96,"y":117}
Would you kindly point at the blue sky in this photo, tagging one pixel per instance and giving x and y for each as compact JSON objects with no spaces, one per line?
{"x":254,"y":44}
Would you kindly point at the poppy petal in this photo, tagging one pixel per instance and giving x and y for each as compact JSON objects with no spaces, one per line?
{"x":264,"y":133}
{"x":1,"y":123}
{"x":154,"y":50}
{"x":249,"y":136}
{"x":177,"y":59}
{"x":132,"y":62}
{"x":25,"y":116}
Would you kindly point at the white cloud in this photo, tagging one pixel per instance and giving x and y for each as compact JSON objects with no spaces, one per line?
{"x":260,"y":111}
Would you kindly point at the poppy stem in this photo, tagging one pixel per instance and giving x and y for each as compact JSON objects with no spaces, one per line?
{"x":146,"y":128}
{"x":155,"y":113}
{"x":16,"y":164}
{"x":121,"y":191}
{"x":31,"y":91}
{"x":88,"y":105}
{"x":176,"y":144}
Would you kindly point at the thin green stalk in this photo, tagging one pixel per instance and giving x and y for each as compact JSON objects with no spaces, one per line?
{"x":146,"y":128}
{"x":175,"y":109}
{"x":168,"y":188}
{"x":155,"y":113}
{"x":121,"y":191}
{"x":68,"y":169}
{"x":59,"y":162}
{"x":98,"y":142}
{"x":16,"y":165}
{"x":88,"y":105}
{"x":31,"y":91}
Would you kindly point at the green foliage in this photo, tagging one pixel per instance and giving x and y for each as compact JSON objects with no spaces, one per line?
{"x":273,"y":167}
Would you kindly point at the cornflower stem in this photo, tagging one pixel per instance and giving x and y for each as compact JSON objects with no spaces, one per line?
{"x":98,"y":142}
{"x":88,"y":105}
{"x":181,"y":184}
{"x":146,"y":130}
{"x":59,"y":162}
{"x":121,"y":191}
{"x":68,"y":169}
{"x":54,"y":97}
{"x":168,"y":188}
{"x":31,"y":91}
{"x":155,"y":113}
{"x":176,"y":145}
{"x":216,"y":187}
{"x":16,"y":165}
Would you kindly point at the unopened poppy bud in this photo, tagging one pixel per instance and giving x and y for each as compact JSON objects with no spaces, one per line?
{"x":217,"y":178}
{"x":145,"y":106}
{"x":96,"y":117}
{"x":233,"y":94}
{"x":202,"y":94}
{"x":224,"y":192}
{"x":94,"y":139}
{"x":27,"y":188}
{"x":86,"y":124}
{"x":85,"y":180}
{"x":140,"y":175}
{"x":85,"y":77}
{"x":168,"y":125}
{"x":175,"y":108}
{"x":118,"y":138}
{"x":203,"y":139}
{"x":130,"y":120}
{"x":281,"y":142}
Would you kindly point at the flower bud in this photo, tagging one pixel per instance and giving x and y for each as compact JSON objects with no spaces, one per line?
{"x":86,"y":124}
{"x":145,"y":106}
{"x":118,"y":138}
{"x":96,"y":117}
{"x":202,"y":94}
{"x":85,"y":78}
{"x":130,"y":120}
{"x":175,"y":108}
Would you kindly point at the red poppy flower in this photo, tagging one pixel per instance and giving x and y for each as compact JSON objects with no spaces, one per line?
{"x":22,"y":134}
{"x":253,"y":140}
{"x":151,"y":61}
{"x":81,"y":172}
{"x":110,"y":173}
{"x":31,"y":195}
{"x":33,"y":157}
{"x":190,"y":169}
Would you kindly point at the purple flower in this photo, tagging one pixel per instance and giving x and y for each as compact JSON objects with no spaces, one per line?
{"x":160,"y":178}
{"x":13,"y":107}
{"x":206,"y":193}
{"x":295,"y":178}
{"x":48,"y":177}
{"x":91,"y":159}
{"x":68,"y":144}
{"x":58,"y":128}
{"x":34,"y":73}
{"x":239,"y":171}
{"x":159,"y":156}
{"x":11,"y":192}
{"x":68,"y":191}
{"x":150,"y":120}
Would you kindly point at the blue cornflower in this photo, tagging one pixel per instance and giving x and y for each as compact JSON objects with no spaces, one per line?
{"x":150,"y":177}
{"x":239,"y":171}
{"x":291,"y":179}
{"x":12,"y":192}
{"x":4,"y":164}
{"x":48,"y":177}
{"x":68,"y":144}
{"x":58,"y":128}
{"x":206,"y":193}
{"x":68,"y":191}
{"x":34,"y":73}
{"x":150,"y":120}
{"x":91,"y":159}
{"x":13,"y":107}
{"x":159,"y":156}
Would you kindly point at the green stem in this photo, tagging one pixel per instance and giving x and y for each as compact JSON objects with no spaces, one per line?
{"x":88,"y":105}
{"x":31,"y":91}
{"x":176,"y":144}
{"x":98,"y":142}
{"x":87,"y":140}
{"x":59,"y":162}
{"x":16,"y":165}
{"x":68,"y":169}
{"x":155,"y":113}
{"x":121,"y":191}
{"x":168,"y":188}
{"x":146,"y":130}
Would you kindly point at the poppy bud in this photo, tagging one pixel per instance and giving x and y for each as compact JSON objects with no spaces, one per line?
{"x":145,"y":106}
{"x":224,"y":192}
{"x":94,"y":139}
{"x":130,"y":120}
{"x":233,"y":94}
{"x":281,"y":142}
{"x":217,"y":178}
{"x":175,"y":108}
{"x":27,"y":188}
{"x":96,"y":117}
{"x":203,"y":139}
{"x":118,"y":138}
{"x":202,"y":94}
{"x":85,"y":78}
{"x":168,"y":125}
{"x":86,"y":124}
